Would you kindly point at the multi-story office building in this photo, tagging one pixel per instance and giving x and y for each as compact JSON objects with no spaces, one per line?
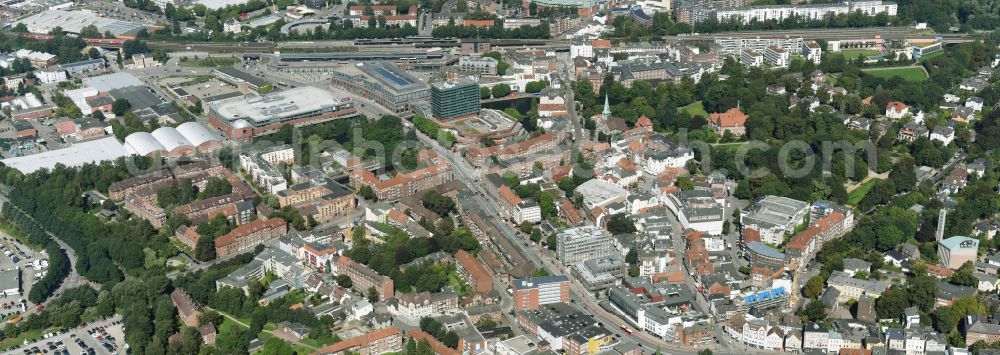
{"x":384,"y":83}
{"x":536,"y":291}
{"x":581,"y":243}
{"x":455,"y":99}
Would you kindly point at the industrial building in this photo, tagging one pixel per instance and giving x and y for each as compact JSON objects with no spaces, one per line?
{"x":454,"y":99}
{"x":74,"y":21}
{"x":247,"y":117}
{"x":384,"y":83}
{"x":186,"y":139}
{"x":95,"y":151}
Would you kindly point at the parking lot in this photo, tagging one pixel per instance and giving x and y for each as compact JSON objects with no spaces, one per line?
{"x":25,"y":259}
{"x":104,"y":337}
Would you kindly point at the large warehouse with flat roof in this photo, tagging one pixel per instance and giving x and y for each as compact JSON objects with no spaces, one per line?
{"x":242,"y":119}
{"x":74,"y":21}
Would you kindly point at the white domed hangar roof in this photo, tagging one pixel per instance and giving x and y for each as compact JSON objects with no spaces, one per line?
{"x":197,"y":133}
{"x":143,"y":143}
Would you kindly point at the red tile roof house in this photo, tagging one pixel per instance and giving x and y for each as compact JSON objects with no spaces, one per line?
{"x":187,"y":308}
{"x":896,"y":110}
{"x":248,"y":236}
{"x":732,"y":120}
{"x":66,"y":129}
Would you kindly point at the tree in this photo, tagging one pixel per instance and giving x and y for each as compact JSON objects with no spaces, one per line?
{"x":684,"y":183}
{"x":93,"y":53}
{"x":205,"y":249}
{"x":526,"y":227}
{"x":815,"y":310}
{"x":368,"y":193}
{"x":550,"y":242}
{"x":212,"y":317}
{"x":484,"y":93}
{"x":964,"y":275}
{"x":923,"y":291}
{"x":632,"y":256}
{"x":536,"y":86}
{"x":120,"y":106}
{"x":945,"y":319}
{"x":621,"y":224}
{"x":276,"y":346}
{"x":500,"y":90}
{"x":344,"y":281}
{"x":372,"y":295}
{"x":438,"y":203}
{"x":892,"y":303}
{"x":813,"y":287}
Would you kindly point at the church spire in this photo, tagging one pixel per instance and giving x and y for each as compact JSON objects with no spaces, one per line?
{"x":606,"y":114}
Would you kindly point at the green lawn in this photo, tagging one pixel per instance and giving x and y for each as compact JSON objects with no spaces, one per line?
{"x":853,"y":53}
{"x":208,"y":62}
{"x":460,"y":286}
{"x":30,"y":335}
{"x":855,"y":196}
{"x":908,"y":73}
{"x":695,"y":109}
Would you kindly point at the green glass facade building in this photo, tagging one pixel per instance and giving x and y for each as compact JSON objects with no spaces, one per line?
{"x":456,"y":98}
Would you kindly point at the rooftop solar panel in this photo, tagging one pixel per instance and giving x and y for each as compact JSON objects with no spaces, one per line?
{"x":389,"y":75}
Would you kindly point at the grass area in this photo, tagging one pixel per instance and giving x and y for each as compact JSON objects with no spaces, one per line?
{"x":854,"y":197}
{"x":12,"y":231}
{"x":228,"y":324}
{"x":18,"y":340}
{"x":908,"y":73}
{"x":695,"y":109}
{"x":207,"y":62}
{"x":460,"y":286}
{"x":853,"y":53}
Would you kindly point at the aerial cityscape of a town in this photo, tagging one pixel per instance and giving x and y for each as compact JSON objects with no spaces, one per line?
{"x":480,"y":177}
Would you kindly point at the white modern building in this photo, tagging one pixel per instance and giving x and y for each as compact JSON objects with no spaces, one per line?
{"x":582,"y":243}
{"x":811,"y":12}
{"x":773,"y":217}
{"x":776,"y":57}
{"x":751,"y":59}
{"x":811,"y":50}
